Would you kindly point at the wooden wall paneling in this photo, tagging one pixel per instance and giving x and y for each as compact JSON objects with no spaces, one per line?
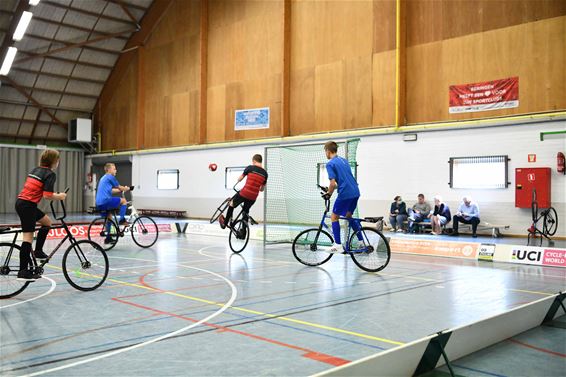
{"x":140,"y":99}
{"x":358,"y":92}
{"x":216,"y":116}
{"x":286,"y":76}
{"x":234,"y":101}
{"x":383,"y":80}
{"x":180,"y":118}
{"x":383,"y":25}
{"x":195,"y":111}
{"x":200,"y":132}
{"x":329,"y":97}
{"x":302,"y":101}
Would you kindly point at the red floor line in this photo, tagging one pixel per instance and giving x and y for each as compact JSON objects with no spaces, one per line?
{"x":317,"y":356}
{"x":538,"y":348}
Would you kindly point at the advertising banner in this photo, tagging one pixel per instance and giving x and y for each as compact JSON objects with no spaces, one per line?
{"x":484,"y":96}
{"x":251,"y":119}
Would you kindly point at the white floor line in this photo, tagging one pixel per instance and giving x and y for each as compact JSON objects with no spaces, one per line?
{"x":157,"y":339}
{"x":51,"y":289}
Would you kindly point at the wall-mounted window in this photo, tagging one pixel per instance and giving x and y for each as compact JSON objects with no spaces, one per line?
{"x":322,"y":174}
{"x":168,"y":179}
{"x":231,"y":176}
{"x":486,"y":172}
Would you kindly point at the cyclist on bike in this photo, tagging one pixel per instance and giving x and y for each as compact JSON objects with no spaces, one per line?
{"x":341,"y":177}
{"x":108,"y":186}
{"x":257,"y":179}
{"x":39,"y":184}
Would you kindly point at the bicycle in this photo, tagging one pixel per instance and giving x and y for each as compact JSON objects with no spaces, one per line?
{"x":239,"y":227}
{"x":106,"y":232}
{"x":369,"y":250}
{"x":85,"y":264}
{"x":549,"y":219}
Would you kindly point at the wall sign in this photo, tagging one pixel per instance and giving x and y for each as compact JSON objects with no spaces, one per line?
{"x":484,"y":96}
{"x":251,"y":119}
{"x":532,"y":158}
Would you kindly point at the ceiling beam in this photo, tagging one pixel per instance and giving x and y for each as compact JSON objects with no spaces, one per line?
{"x":72,"y":94}
{"x":70,"y":61}
{"x":58,"y":76}
{"x":69,"y":43}
{"x":129,"y":5}
{"x":86,"y":12}
{"x":51,"y":107}
{"x":9,"y":119}
{"x":34,"y":126}
{"x":62,"y":24}
{"x":23,"y":91}
{"x":148,"y":23}
{"x":75,"y":45}
{"x":11,"y":136}
{"x":127,"y":11}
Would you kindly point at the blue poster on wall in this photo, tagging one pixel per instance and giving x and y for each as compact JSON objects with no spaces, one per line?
{"x":251,"y":119}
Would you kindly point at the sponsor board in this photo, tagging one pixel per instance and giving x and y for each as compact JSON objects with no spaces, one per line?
{"x":256,"y":232}
{"x":81,"y":231}
{"x":435,"y":248}
{"x":486,"y":252}
{"x":539,"y":256}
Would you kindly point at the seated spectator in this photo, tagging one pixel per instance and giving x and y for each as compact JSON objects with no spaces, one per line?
{"x":419,"y":212}
{"x":397,"y":214}
{"x":468,"y":213}
{"x":440,"y":217}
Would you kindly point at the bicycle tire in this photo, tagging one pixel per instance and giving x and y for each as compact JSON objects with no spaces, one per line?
{"x":378,"y":252}
{"x":144,"y":231}
{"x":96,"y":263}
{"x":220,"y":210}
{"x":239,"y":236}
{"x":97,"y":233}
{"x":550,"y":222}
{"x":10,"y":286}
{"x":309,"y":243}
{"x":534,"y":211}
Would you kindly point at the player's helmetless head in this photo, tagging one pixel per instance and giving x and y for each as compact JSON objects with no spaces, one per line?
{"x":257,"y":159}
{"x":49,"y":158}
{"x":110,"y":168}
{"x":331,"y":148}
{"x":421,"y":198}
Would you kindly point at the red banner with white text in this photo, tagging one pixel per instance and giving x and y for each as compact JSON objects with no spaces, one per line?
{"x":484,"y":96}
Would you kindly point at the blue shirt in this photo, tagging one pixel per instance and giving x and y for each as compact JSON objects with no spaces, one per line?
{"x":339,"y":169}
{"x":471,"y":211}
{"x":104,"y":190}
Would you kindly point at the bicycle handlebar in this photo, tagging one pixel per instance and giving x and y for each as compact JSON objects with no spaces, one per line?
{"x":62,"y":206}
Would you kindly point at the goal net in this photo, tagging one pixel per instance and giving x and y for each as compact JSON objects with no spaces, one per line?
{"x":292,"y":199}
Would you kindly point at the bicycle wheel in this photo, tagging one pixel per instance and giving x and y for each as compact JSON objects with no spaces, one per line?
{"x":534,"y":211}
{"x":311,"y":245}
{"x":220,"y":210}
{"x":239,"y":236}
{"x":85,"y":265}
{"x":104,"y":232}
{"x":10,"y":286}
{"x":372,"y":252}
{"x":144,"y":231}
{"x":550,"y":222}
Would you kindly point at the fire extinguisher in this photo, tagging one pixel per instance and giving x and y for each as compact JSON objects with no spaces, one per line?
{"x":560,"y":163}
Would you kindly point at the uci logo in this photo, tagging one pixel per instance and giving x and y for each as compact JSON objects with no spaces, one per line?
{"x":533,"y":256}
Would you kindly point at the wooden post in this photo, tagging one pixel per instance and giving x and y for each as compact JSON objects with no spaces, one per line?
{"x":400,"y":65}
{"x":203,"y":71}
{"x":286,"y":76}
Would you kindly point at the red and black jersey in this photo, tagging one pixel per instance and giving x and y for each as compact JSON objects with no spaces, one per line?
{"x":257,"y":177}
{"x":39,"y":183}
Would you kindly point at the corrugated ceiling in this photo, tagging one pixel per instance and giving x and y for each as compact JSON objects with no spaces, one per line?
{"x":56,"y":68}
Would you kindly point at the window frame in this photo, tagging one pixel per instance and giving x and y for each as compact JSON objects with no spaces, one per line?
{"x":168,"y":171}
{"x":505,"y":159}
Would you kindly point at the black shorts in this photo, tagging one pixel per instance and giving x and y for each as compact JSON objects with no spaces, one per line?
{"x":239,"y":199}
{"x":29,"y":214}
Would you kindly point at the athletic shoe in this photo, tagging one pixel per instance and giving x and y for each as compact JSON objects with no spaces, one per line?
{"x":222,"y":221}
{"x":474,"y":235}
{"x":455,"y":234}
{"x":39,"y":254}
{"x":399,"y":230}
{"x":336,"y":249}
{"x":122,"y":222}
{"x":392,"y":230}
{"x":411,"y":218}
{"x":27,"y":275}
{"x":107,"y":241}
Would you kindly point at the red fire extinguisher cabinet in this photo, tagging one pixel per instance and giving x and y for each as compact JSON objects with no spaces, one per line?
{"x":529,"y":179}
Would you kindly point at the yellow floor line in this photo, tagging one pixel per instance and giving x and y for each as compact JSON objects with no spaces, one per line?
{"x":533,"y":292}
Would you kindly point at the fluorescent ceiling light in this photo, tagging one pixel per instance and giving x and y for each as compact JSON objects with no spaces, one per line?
{"x":8,"y":60}
{"x":34,"y":2}
{"x":22,"y":26}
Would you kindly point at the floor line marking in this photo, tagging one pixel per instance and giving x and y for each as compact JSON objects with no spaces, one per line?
{"x":537,"y":348}
{"x":51,"y":289}
{"x":533,"y":292}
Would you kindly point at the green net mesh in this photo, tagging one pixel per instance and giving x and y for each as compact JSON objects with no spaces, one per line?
{"x":292,"y":198}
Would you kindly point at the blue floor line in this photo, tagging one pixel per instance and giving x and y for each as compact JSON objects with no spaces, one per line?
{"x":479,"y":371}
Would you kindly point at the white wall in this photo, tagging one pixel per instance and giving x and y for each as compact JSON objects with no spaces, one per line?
{"x":388,"y":166}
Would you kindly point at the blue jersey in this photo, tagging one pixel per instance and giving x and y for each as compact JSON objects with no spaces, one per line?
{"x":339,"y":169}
{"x":104,"y":190}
